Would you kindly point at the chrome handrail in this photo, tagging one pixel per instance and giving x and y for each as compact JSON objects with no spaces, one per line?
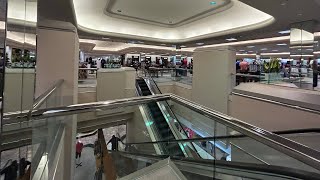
{"x":43,"y":97}
{"x":298,"y":151}
{"x":277,"y":103}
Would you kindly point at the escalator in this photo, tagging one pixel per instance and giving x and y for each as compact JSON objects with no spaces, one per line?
{"x":162,"y":125}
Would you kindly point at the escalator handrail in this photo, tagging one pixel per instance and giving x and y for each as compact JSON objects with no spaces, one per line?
{"x":169,"y":109}
{"x":284,"y":171}
{"x":296,"y":150}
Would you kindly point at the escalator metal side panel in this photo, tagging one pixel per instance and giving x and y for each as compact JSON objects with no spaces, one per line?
{"x":154,"y":135}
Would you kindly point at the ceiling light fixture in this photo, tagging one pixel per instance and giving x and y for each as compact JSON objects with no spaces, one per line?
{"x":275,"y":50}
{"x":242,"y":50}
{"x":282,"y":44}
{"x":105,"y":38}
{"x":231,"y":39}
{"x":199,"y":44}
{"x":275,"y":54}
{"x":183,"y":46}
{"x":264,"y":49}
{"x":250,"y":46}
{"x":285,"y":32}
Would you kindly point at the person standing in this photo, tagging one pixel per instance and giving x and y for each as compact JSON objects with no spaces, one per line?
{"x":23,"y":164}
{"x":114,"y":143}
{"x":79,"y":148}
{"x":315,"y":70}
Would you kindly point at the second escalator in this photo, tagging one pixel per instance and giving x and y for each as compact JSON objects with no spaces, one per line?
{"x":160,"y":121}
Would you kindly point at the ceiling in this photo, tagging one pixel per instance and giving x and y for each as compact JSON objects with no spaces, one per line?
{"x":237,"y":17}
{"x":146,"y":22}
{"x":170,"y":13}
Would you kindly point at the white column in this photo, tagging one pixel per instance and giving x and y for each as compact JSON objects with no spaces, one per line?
{"x":57,"y":58}
{"x":213,"y":81}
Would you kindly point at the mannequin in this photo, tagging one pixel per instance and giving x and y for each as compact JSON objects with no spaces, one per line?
{"x":79,"y":147}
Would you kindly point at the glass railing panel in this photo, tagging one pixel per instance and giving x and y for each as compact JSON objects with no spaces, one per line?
{"x":211,"y":135}
{"x":245,"y":149}
{"x":46,"y":137}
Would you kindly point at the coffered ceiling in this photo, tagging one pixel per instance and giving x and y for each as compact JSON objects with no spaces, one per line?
{"x":168,"y":13}
{"x":150,"y":19}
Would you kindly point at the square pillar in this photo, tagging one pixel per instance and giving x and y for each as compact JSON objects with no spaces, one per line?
{"x":213,"y":77}
{"x":58,"y":58}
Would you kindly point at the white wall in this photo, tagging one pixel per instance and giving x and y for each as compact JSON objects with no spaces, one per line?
{"x":271,"y":117}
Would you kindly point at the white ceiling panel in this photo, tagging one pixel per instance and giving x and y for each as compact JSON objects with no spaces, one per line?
{"x":240,"y":17}
{"x":167,"y":12}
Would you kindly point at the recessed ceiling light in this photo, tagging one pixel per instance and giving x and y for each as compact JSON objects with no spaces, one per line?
{"x":275,"y":50}
{"x":250,"y":51}
{"x":105,"y":38}
{"x":282,"y":44}
{"x":299,"y":14}
{"x":141,"y":42}
{"x":242,"y":50}
{"x":183,"y":46}
{"x":309,"y":49}
{"x":213,"y":3}
{"x":250,"y":46}
{"x":285,"y":32}
{"x":264,"y":49}
{"x":199,"y":44}
{"x":283,"y":3}
{"x":231,"y":39}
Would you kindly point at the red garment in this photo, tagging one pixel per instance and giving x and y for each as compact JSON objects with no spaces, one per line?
{"x":79,"y":147}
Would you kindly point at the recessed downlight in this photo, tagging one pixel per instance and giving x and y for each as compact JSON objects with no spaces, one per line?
{"x":183,"y":46}
{"x":200,"y":44}
{"x":282,"y":44}
{"x":250,"y":46}
{"x":231,"y":39}
{"x":285,"y":32}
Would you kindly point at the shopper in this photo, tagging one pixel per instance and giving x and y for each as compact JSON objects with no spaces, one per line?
{"x":315,"y":73}
{"x":244,"y":66}
{"x":79,"y":147}
{"x":23,"y":164}
{"x":103,"y":63}
{"x":114,"y":143}
{"x":10,"y":172}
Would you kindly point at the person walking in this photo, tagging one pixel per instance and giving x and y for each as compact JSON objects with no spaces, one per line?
{"x":114,"y":143}
{"x":315,"y":70}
